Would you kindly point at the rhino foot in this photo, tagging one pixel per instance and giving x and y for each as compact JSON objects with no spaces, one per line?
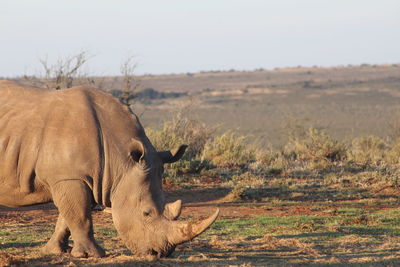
{"x":55,"y":248}
{"x":89,"y":250}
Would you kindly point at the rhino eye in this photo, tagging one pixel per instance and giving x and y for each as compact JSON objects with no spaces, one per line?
{"x":147,"y":213}
{"x":136,"y":155}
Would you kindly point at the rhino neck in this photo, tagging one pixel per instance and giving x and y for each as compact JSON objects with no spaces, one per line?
{"x":114,"y":169}
{"x":125,"y":203}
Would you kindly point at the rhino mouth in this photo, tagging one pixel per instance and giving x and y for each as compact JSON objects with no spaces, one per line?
{"x":154,"y":253}
{"x":160,"y":253}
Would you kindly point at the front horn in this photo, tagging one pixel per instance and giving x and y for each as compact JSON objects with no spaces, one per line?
{"x":185,"y":231}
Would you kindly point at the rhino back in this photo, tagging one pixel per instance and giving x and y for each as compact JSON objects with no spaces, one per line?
{"x":48,"y":136}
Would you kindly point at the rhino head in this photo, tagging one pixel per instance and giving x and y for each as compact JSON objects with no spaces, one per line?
{"x":145,"y":223}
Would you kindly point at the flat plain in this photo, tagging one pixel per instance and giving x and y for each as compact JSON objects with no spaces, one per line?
{"x":346,"y":101}
{"x":337,"y":216}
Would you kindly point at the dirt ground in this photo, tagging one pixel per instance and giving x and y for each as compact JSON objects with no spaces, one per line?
{"x":220,"y":248}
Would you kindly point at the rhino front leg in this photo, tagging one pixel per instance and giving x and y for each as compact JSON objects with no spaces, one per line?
{"x":73,"y":200}
{"x":58,"y":242}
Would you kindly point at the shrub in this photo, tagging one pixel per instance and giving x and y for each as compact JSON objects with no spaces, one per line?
{"x":316,"y":149}
{"x":367,"y":151}
{"x":393,"y":154}
{"x":228,"y":150}
{"x":182,"y":131}
{"x":270,"y":162}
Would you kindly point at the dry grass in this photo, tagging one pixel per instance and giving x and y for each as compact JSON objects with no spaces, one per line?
{"x":287,"y":246}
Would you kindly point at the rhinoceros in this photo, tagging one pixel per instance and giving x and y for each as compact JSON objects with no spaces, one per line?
{"x":80,"y":147}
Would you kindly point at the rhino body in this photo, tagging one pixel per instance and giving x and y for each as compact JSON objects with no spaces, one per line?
{"x":80,"y":147}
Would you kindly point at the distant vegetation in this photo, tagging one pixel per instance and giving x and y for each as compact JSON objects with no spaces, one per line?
{"x":309,"y":152}
{"x":144,"y":96}
{"x":346,"y":101}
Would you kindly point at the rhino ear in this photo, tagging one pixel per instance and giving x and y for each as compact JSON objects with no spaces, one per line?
{"x":136,"y":149}
{"x":172,"y":155}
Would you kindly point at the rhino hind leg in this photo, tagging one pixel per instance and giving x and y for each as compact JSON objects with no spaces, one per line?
{"x":74,"y":202}
{"x":58,"y":242}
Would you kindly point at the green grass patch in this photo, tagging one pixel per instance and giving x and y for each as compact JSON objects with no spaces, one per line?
{"x":24,"y":236}
{"x":371,"y":224}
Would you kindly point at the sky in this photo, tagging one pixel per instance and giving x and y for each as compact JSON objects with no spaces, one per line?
{"x":180,"y":36}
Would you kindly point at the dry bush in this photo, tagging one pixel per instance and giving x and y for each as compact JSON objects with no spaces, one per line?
{"x":269,"y":162}
{"x":130,"y":83}
{"x":367,"y":151}
{"x":316,"y":149}
{"x":392,"y":156}
{"x":182,"y":130}
{"x":393,"y":132}
{"x":229,"y":150}
{"x":65,"y":73}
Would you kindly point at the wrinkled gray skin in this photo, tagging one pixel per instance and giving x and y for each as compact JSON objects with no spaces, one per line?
{"x":80,"y":147}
